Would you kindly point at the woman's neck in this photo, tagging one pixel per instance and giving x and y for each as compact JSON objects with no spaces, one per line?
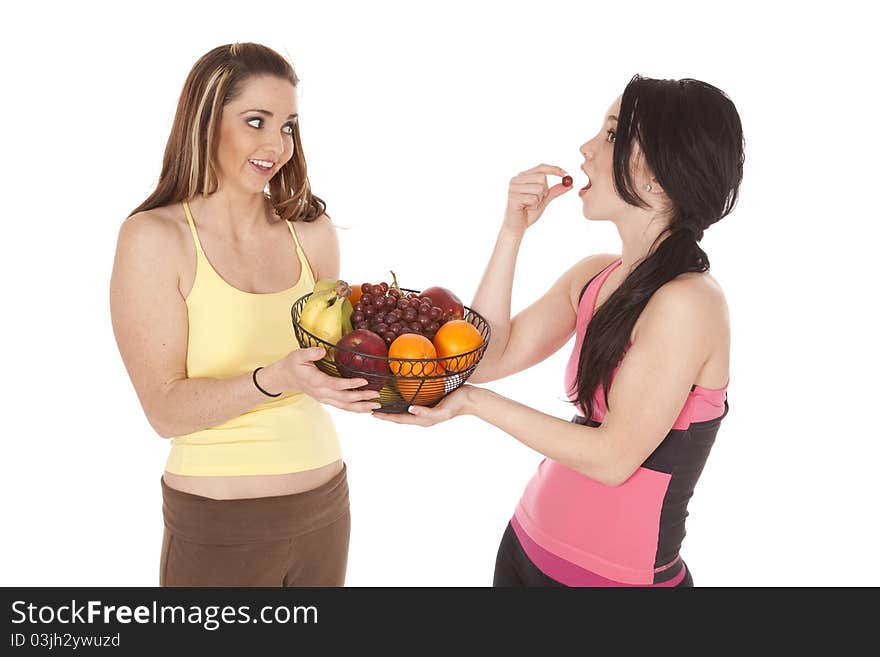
{"x":637,"y":238}
{"x":235,"y":214}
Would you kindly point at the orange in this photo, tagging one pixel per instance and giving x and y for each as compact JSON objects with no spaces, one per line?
{"x":424,"y":392}
{"x":355,"y":295}
{"x":455,"y":338}
{"x":411,"y":345}
{"x":411,"y":379}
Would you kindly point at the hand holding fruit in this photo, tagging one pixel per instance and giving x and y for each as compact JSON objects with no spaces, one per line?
{"x":297,"y":371}
{"x":528,"y":195}
{"x":457,"y":402}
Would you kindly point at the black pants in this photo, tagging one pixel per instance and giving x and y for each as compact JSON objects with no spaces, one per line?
{"x":514,"y":568}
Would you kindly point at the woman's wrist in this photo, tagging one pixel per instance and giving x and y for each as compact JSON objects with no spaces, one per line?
{"x":472,"y":396}
{"x":271,"y":380}
{"x":511,"y":233}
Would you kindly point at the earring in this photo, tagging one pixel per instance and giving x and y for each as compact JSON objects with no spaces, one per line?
{"x":648,"y":187}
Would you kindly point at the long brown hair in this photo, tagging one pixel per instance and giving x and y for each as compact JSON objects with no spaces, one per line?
{"x":189,"y":165}
{"x":690,"y":134}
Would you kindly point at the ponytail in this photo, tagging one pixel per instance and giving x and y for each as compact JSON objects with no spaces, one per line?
{"x":690,"y":136}
{"x":609,"y":330}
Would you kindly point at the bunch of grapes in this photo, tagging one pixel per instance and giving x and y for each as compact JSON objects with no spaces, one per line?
{"x":389,"y":312}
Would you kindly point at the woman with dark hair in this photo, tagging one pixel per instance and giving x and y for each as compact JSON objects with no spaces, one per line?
{"x":650,"y":367}
{"x":206,"y":271}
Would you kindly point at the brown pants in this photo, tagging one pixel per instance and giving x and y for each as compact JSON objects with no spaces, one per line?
{"x":283,"y":541}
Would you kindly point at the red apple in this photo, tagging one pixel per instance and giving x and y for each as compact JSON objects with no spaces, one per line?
{"x":359,"y":362}
{"x":446,"y":300}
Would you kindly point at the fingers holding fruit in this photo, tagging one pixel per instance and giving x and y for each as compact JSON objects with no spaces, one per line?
{"x":544,"y":170}
{"x":529,"y":194}
{"x":547,"y":169}
{"x":342,"y":393}
{"x":359,"y":400}
{"x":452,"y":405}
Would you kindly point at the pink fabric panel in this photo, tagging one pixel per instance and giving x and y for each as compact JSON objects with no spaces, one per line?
{"x":566,"y":572}
{"x":702,"y":404}
{"x":609,"y":530}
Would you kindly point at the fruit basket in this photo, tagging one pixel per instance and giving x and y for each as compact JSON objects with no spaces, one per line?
{"x":400,"y":381}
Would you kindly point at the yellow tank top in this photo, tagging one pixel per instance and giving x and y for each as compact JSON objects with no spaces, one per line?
{"x":231,"y":332}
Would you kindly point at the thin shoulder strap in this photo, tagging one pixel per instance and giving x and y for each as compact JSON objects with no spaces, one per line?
{"x":293,"y":232}
{"x":192,"y":227}
{"x":304,"y":261}
{"x":584,"y":288}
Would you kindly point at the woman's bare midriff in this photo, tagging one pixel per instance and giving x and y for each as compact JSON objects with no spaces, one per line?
{"x":248,"y":486}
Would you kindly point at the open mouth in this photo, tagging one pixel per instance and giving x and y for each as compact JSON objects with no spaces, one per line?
{"x":586,"y":187}
{"x":262,"y":166}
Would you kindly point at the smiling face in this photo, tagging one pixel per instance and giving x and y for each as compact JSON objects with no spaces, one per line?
{"x":256,"y":133}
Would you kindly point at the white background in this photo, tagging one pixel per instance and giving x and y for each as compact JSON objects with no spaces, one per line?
{"x":413,"y":120}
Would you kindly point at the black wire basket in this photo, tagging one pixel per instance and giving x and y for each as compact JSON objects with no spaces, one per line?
{"x":400,"y":381}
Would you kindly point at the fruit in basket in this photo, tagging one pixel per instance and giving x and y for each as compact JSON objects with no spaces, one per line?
{"x":412,"y":346}
{"x":385,"y":309}
{"x":347,"y":312}
{"x":421,"y":391}
{"x":447,"y":301}
{"x":355,"y":295}
{"x":368,"y":361}
{"x":323,"y":313}
{"x":324,"y":284}
{"x":454,"y":339}
{"x":411,"y":382}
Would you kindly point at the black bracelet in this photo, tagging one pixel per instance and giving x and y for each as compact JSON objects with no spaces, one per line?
{"x":268,"y":394}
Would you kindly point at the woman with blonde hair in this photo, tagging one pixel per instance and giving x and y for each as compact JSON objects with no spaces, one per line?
{"x":205,"y":274}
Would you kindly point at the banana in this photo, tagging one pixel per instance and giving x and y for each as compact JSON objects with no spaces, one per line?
{"x":314,"y":306}
{"x":347,"y":310}
{"x":325,"y":284}
{"x":329,"y":323}
{"x":324,"y":314}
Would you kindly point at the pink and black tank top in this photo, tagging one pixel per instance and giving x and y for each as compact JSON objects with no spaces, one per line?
{"x":583,"y":533}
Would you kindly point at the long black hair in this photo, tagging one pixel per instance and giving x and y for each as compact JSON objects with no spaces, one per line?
{"x":690,"y":135}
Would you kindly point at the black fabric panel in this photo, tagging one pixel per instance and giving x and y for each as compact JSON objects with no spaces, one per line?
{"x":513,"y":568}
{"x":682,"y":454}
{"x":684,"y":460}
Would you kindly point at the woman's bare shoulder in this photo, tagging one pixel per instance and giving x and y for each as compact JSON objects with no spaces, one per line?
{"x":157,"y":228}
{"x":159,"y":239}
{"x":693,"y":297}
{"x":166,"y":218}
{"x":700,"y":287}
{"x":320,"y":242}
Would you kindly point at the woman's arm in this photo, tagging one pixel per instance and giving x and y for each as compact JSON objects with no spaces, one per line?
{"x":542,"y":329}
{"x":492,"y":300}
{"x":528,"y":196}
{"x":149,"y":318}
{"x":670,"y":346}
